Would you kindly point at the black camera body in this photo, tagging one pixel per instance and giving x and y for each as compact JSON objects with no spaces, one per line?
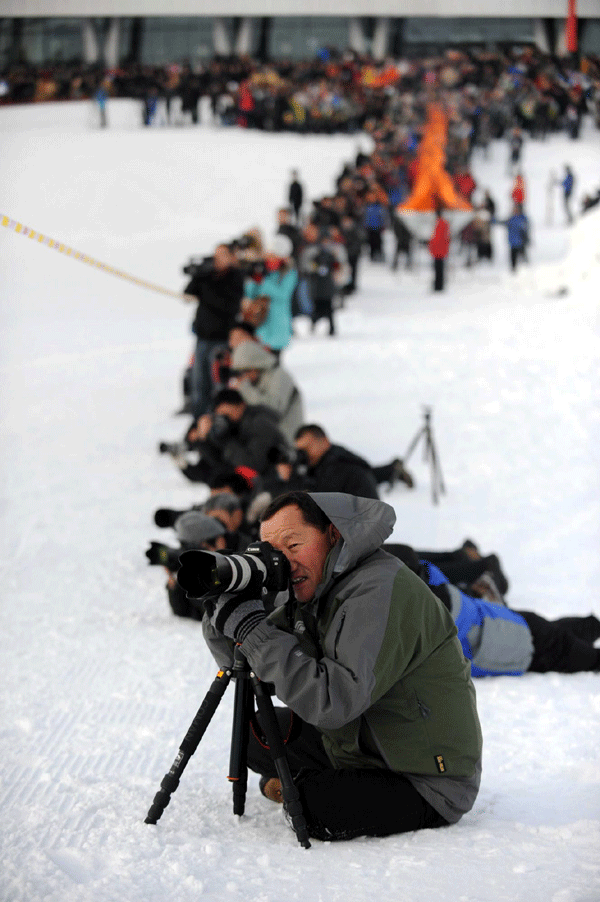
{"x":175,"y":449}
{"x":199,"y":267}
{"x":254,"y":269}
{"x":208,"y":573}
{"x":164,"y":556}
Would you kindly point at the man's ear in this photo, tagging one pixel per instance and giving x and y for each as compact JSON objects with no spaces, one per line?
{"x":333,"y":534}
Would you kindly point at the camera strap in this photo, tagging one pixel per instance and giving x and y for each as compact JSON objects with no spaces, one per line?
{"x":292,"y":731}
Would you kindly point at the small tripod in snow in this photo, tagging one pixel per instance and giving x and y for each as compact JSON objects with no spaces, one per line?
{"x":247,"y":687}
{"x":429,"y":454}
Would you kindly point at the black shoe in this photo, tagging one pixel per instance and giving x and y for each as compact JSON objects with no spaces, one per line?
{"x":270,"y":787}
{"x":400,"y":474}
{"x":492,"y":563}
{"x":471,"y":550}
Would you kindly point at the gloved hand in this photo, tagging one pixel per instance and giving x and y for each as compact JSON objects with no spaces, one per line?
{"x":235,"y":615}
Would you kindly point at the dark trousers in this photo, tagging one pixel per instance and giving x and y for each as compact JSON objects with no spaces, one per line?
{"x":353,"y":264}
{"x":375,"y":239}
{"x":438,"y":274}
{"x":565,"y":645}
{"x":202,"y":385}
{"x":343,"y":804}
{"x":516,"y":254}
{"x":461,"y":570}
{"x":323,"y":309}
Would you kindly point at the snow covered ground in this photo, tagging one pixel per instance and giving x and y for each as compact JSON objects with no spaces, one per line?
{"x":100,"y":682}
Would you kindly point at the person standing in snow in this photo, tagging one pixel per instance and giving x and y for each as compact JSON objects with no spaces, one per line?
{"x":439,"y":245}
{"x":518,"y":235}
{"x":567,"y":184}
{"x":296,"y":196}
{"x":219,"y":286}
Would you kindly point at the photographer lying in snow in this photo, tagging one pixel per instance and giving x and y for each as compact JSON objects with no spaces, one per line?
{"x":194,"y":531}
{"x":498,"y":640}
{"x":380,"y":710}
{"x":319,"y":465}
{"x":235,"y":436}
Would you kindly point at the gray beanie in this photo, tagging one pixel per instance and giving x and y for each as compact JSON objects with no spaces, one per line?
{"x":223,"y":501}
{"x":250,"y":355}
{"x":193,"y":528}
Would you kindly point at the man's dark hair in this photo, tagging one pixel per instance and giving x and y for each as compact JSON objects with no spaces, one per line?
{"x":311,"y":512}
{"x":229,"y":480}
{"x":244,"y":327}
{"x":310,"y":429}
{"x":224,"y":501}
{"x":228,"y":396}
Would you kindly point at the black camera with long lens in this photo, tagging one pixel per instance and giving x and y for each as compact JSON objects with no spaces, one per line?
{"x":164,"y":556}
{"x":199,"y":267}
{"x":254,"y":269}
{"x":173,"y":448}
{"x":206,"y":573}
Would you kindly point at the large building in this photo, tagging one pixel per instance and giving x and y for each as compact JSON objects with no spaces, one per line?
{"x":162,"y":31}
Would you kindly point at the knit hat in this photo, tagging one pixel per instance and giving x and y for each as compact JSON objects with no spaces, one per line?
{"x":223,"y":501}
{"x":280,"y":246}
{"x":250,"y":355}
{"x":193,"y":528}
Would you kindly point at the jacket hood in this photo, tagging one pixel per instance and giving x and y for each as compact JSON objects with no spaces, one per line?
{"x":250,"y":355}
{"x":363,"y":523}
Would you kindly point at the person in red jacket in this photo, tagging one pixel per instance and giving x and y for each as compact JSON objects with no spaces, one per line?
{"x":439,"y":246}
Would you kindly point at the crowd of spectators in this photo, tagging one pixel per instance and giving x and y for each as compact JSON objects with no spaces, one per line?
{"x":342,"y":91}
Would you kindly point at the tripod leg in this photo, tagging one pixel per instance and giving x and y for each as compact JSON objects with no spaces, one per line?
{"x":291,"y":796}
{"x":242,"y":710}
{"x":190,"y":743}
{"x":413,"y":445}
{"x":437,"y":481}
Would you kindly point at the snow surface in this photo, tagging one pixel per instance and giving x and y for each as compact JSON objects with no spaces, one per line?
{"x":100,"y":682}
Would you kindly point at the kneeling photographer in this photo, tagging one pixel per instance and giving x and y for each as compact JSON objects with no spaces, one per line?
{"x":195,"y":531}
{"x":382,"y":730}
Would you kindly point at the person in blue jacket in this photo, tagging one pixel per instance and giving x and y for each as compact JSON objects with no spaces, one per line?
{"x":518,"y":235}
{"x":567,"y":184}
{"x":279,"y":284}
{"x":498,"y":640}
{"x":501,"y":641}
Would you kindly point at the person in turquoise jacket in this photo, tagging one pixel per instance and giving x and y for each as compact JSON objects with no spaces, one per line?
{"x":279,"y":285}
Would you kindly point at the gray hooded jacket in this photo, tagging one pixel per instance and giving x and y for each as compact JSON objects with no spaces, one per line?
{"x":373,"y":661}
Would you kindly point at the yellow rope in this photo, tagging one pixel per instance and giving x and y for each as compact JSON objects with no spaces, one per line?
{"x":21,"y":229}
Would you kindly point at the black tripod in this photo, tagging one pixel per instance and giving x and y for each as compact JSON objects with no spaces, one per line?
{"x":429,"y":454}
{"x":247,"y":687}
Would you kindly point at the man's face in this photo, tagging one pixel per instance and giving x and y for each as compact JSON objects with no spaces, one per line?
{"x":311,"y":447}
{"x":305,"y":547}
{"x":223,"y":258}
{"x":233,"y":412}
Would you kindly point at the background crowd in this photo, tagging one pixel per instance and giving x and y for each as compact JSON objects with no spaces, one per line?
{"x":340,"y":91}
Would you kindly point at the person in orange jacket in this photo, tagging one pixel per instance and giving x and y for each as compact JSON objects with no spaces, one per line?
{"x":439,"y":245}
